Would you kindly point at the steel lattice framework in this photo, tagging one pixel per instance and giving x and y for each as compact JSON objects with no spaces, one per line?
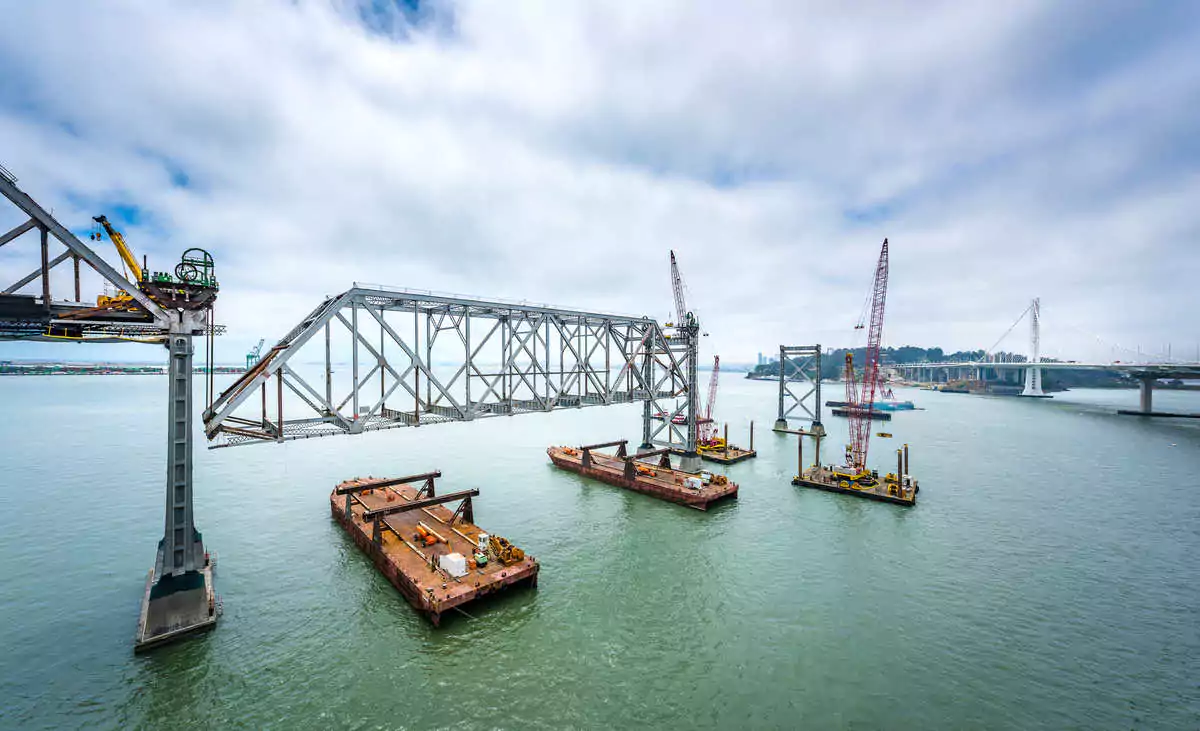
{"x":417,"y":358}
{"x":805,"y":370}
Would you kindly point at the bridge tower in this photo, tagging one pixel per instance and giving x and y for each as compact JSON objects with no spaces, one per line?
{"x":1033,"y":375}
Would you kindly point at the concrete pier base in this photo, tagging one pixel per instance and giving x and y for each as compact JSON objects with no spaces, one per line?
{"x":690,"y":463}
{"x":780,"y":425}
{"x":176,"y":607}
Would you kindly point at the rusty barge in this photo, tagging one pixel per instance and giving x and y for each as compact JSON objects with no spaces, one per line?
{"x":718,"y":449}
{"x":437,"y":558}
{"x":632,"y":472}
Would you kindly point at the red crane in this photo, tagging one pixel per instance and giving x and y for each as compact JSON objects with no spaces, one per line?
{"x":862,"y":398}
{"x":710,"y":428}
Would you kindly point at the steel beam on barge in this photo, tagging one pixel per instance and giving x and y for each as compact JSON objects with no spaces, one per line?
{"x":426,"y":489}
{"x":424,"y":476}
{"x":378,"y":516}
{"x":418,"y":504}
{"x":617,"y":443}
{"x":651,"y":453}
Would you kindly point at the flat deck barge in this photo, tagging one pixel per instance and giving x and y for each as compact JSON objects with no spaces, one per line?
{"x":657,"y":479}
{"x":876,"y":414}
{"x":732,"y":455}
{"x":822,"y":478}
{"x":385,"y":518}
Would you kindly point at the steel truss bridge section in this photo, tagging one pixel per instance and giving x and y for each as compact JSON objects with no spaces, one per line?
{"x":800,"y":376}
{"x":42,"y":317}
{"x":375,"y":358}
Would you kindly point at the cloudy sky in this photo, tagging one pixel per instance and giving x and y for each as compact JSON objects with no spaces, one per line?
{"x":555,"y":151}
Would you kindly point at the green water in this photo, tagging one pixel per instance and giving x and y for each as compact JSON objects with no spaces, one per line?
{"x":1048,"y":578}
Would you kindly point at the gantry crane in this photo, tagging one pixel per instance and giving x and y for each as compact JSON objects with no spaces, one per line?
{"x":861,"y":394}
{"x":252,"y":356}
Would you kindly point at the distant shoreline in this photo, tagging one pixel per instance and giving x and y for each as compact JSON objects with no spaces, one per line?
{"x":107,"y":369}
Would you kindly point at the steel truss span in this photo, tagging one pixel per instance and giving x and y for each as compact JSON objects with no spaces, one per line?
{"x":377,"y":358}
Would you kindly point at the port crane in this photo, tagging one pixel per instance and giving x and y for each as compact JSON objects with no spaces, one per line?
{"x":861,"y":394}
{"x":252,"y":356}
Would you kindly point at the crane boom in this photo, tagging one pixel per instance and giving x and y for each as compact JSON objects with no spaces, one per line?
{"x":711,"y":427}
{"x":122,"y":248}
{"x":863,"y":397}
{"x":681,"y":310}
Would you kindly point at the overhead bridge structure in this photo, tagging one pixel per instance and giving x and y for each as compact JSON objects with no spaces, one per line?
{"x":179,"y":598}
{"x":376,"y":358}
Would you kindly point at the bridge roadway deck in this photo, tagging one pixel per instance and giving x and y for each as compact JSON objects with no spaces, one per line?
{"x":1155,"y":370}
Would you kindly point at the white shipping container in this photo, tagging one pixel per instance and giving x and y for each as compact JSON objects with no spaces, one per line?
{"x":454,"y":564}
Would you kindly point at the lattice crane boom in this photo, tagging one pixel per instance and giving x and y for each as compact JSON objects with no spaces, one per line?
{"x":863,"y":405}
{"x":681,"y":310}
{"x":711,"y":428}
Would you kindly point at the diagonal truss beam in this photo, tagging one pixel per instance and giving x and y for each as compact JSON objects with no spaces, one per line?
{"x":505,"y":358}
{"x":44,"y":220}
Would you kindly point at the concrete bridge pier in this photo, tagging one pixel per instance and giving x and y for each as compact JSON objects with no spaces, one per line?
{"x":1146,"y":402}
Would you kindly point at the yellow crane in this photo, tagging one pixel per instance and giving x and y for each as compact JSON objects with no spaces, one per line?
{"x":122,"y":299}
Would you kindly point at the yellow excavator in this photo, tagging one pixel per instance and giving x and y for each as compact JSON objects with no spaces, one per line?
{"x":122,"y":300}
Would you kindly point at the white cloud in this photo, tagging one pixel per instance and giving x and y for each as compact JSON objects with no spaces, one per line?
{"x":554,"y":151}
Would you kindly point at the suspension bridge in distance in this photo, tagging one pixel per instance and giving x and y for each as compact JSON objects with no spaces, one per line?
{"x":1146,"y":372}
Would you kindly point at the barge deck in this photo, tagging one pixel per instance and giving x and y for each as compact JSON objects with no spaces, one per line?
{"x":385,"y":518}
{"x":822,"y":478}
{"x":732,"y":455}
{"x":657,"y":479}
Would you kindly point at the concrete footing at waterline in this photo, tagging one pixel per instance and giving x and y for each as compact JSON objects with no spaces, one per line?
{"x":176,"y":607}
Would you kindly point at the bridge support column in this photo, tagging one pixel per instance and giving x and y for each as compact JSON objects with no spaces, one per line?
{"x":179,"y":598}
{"x":781,"y":422}
{"x":690,"y":461}
{"x":647,"y":376}
{"x":1033,"y":382}
{"x":1033,"y":374}
{"x":1147,"y":401}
